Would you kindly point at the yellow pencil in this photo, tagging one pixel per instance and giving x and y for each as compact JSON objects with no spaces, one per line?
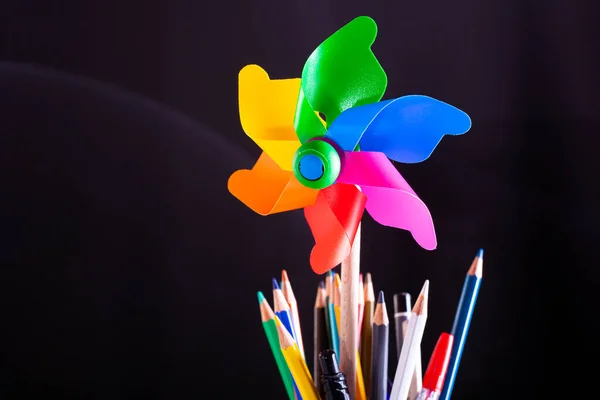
{"x":361,"y":393}
{"x":337,"y":298}
{"x":296,"y":364}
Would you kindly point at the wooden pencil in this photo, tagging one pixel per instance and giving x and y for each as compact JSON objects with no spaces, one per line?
{"x":296,"y":364}
{"x":380,"y":350}
{"x":328,"y":299}
{"x":282,"y":308}
{"x":462,"y":321}
{"x":268,"y":321}
{"x":349,"y":313}
{"x":360,"y":381}
{"x":288,"y":293}
{"x":412,"y":343}
{"x":333,"y":325}
{"x":337,"y":295}
{"x":402,"y":312}
{"x":320,"y":334}
{"x":361,"y":307}
{"x":282,"y":311}
{"x":366,"y":331}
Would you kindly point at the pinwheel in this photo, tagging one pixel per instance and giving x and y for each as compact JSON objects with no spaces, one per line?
{"x":327,"y":140}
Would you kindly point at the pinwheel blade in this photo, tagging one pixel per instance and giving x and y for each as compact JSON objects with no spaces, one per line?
{"x":341,"y":73}
{"x":334,"y":220}
{"x":390,"y":200}
{"x":267,"y":110}
{"x":407,"y":129}
{"x":267,"y":189}
{"x":348,"y":129}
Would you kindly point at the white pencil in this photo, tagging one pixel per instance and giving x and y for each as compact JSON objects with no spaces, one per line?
{"x":411,"y":346}
{"x":416,"y":383}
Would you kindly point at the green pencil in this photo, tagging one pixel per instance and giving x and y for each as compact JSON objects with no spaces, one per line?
{"x":268,"y":321}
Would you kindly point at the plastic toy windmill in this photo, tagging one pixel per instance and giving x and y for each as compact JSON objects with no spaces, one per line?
{"x":327,"y":142}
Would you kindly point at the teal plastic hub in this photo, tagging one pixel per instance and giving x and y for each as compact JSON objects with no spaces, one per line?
{"x":317,"y":164}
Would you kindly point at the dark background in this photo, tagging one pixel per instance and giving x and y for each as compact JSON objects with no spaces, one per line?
{"x":130,"y":272}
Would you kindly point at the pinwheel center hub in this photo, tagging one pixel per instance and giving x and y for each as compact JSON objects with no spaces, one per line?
{"x":317,"y":164}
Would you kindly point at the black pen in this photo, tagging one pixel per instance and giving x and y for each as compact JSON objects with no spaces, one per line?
{"x":333,"y":382}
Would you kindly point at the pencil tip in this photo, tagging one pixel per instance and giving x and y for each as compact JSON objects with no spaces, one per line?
{"x":425,"y":290}
{"x":261,"y":297}
{"x":368,"y":277}
{"x":380,"y":298}
{"x":321,"y":285}
{"x":275,"y":284}
{"x":330,"y":273}
{"x":476,"y":268}
{"x":284,"y":276}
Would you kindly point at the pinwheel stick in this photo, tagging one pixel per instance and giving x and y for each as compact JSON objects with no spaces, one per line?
{"x":349,"y":315}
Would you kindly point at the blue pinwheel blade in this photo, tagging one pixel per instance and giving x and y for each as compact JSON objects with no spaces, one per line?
{"x":409,"y":128}
{"x":348,"y":129}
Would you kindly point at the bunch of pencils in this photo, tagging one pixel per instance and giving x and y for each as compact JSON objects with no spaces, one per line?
{"x":282,"y":327}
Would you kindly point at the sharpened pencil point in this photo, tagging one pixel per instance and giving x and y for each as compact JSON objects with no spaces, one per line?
{"x":275,"y":284}
{"x":284,"y":276}
{"x":425,"y":290}
{"x":380,"y":298}
{"x":476,"y":268}
{"x":322,"y":284}
{"x":261,"y":297}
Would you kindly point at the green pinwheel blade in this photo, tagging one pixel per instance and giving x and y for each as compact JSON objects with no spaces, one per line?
{"x":341,"y":73}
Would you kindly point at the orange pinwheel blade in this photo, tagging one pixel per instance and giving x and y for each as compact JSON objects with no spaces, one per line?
{"x":267,"y":189}
{"x":267,"y":109}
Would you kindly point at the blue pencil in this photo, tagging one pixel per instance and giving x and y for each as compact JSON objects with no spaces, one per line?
{"x":282,"y":311}
{"x":462,"y":321}
{"x":335,"y":337}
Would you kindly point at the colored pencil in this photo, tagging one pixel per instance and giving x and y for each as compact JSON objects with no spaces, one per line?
{"x":366,"y":331}
{"x":288,"y":293}
{"x":328,"y":299}
{"x":282,"y":311}
{"x":361,"y":307}
{"x":333,"y":326}
{"x":320,"y":334}
{"x":296,"y":364}
{"x":282,"y":308}
{"x":416,"y":382}
{"x":268,"y":321}
{"x":462,"y":321}
{"x":380,"y":350}
{"x":349,"y":313}
{"x":361,"y":394}
{"x":337,"y":297}
{"x":412,"y":342}
{"x":402,"y":312}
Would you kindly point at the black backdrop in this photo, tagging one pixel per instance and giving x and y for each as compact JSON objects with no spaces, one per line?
{"x":128,"y":271}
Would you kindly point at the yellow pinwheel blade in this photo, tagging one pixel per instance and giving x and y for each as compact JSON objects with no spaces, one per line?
{"x":267,"y":109}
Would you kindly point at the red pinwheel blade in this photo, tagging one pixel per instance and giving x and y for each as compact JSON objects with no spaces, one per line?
{"x":390,"y":200}
{"x":334,"y":220}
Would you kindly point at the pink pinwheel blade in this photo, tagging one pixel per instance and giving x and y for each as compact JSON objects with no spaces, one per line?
{"x":390,"y":200}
